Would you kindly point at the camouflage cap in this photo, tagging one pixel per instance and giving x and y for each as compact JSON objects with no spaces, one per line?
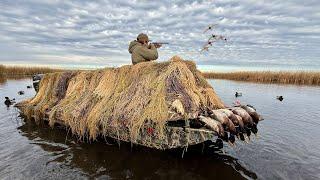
{"x":142,"y":37}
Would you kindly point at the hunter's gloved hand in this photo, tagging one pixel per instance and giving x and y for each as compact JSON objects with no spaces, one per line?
{"x":151,"y":46}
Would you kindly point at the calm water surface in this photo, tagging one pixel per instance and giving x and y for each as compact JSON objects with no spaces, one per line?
{"x":288,"y":145}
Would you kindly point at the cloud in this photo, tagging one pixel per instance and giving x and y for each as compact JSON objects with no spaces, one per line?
{"x":54,"y":32}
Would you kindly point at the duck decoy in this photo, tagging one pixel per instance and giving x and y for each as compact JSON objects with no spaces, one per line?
{"x":21,"y":92}
{"x":238,"y":94}
{"x":280,"y":98}
{"x":8,"y":101}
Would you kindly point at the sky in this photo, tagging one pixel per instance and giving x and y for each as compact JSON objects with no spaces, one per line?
{"x":86,"y":33}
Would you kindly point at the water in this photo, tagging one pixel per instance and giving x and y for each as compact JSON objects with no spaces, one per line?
{"x":287,"y":148}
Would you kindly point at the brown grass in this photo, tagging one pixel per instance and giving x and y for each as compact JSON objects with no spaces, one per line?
{"x":11,"y":71}
{"x":281,"y":77}
{"x":127,"y":98}
{"x":2,"y":77}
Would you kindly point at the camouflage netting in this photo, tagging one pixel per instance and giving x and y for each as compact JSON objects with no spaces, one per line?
{"x":101,"y":101}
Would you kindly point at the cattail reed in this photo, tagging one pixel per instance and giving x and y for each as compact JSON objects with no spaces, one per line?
{"x":16,"y":71}
{"x":281,"y":77}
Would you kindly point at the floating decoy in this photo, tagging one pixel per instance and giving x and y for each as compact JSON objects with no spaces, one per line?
{"x":8,"y":101}
{"x":238,"y":94}
{"x":280,"y":98}
{"x":29,"y":87}
{"x":21,"y":92}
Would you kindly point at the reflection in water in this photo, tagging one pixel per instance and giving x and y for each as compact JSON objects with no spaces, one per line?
{"x":97,"y":159}
{"x":2,"y":79}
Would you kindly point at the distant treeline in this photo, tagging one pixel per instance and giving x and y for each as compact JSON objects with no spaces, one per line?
{"x":281,"y":77}
{"x":18,"y":71}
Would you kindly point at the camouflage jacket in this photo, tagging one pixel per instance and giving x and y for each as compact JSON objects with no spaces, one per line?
{"x":141,"y":53}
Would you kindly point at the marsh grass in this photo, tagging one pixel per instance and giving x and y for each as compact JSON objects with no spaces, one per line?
{"x":2,"y":79}
{"x":18,"y":71}
{"x":281,"y":77}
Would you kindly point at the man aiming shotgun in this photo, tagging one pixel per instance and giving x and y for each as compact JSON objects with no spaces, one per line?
{"x":142,"y":51}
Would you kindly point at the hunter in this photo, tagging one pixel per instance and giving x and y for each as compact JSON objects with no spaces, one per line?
{"x":142,"y":51}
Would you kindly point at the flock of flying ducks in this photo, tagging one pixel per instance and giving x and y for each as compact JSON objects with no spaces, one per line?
{"x":212,"y":38}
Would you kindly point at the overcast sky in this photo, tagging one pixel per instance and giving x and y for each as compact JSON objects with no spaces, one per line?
{"x":95,"y":33}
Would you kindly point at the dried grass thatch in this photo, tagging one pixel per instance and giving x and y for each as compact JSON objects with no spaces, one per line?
{"x":97,"y":102}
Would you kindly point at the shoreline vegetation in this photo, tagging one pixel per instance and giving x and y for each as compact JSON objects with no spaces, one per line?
{"x":270,"y":77}
{"x":18,"y":72}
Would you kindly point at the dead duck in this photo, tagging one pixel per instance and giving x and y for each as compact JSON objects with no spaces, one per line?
{"x":219,"y":143}
{"x":241,"y":136}
{"x":8,"y":101}
{"x":232,"y":128}
{"x":280,"y":98}
{"x":225,"y":136}
{"x":232,"y":138}
{"x":212,"y":124}
{"x":240,"y":121}
{"x":237,"y":120}
{"x":21,"y":92}
{"x":254,"y":129}
{"x":247,"y":119}
{"x":224,"y":120}
{"x":252,"y":107}
{"x":252,"y":112}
